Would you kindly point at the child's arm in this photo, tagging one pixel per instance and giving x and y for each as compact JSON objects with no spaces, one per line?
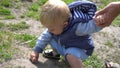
{"x":102,"y":18}
{"x":87,"y":28}
{"x":41,"y":43}
{"x":105,"y":16}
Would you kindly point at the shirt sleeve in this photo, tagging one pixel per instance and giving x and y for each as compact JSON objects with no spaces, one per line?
{"x":42,"y":41}
{"x":87,"y":28}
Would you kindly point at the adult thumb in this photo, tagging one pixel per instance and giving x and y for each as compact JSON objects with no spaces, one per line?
{"x":100,"y":12}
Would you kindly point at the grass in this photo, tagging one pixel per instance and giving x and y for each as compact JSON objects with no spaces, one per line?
{"x":32,"y":43}
{"x":34,"y":11}
{"x":4,"y":11}
{"x":93,"y":62}
{"x":6,"y":40}
{"x":20,"y":26}
{"x":9,"y":17}
{"x":41,"y":2}
{"x":116,"y":22}
{"x":68,"y":1}
{"x":33,"y":14}
{"x":23,"y":37}
{"x":109,"y":43}
{"x":2,"y":24}
{"x":26,"y":38}
{"x":34,"y":7}
{"x":22,"y":16}
{"x":6,"y":3}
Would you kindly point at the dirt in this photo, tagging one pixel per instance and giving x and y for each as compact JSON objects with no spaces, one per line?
{"x":21,"y":58}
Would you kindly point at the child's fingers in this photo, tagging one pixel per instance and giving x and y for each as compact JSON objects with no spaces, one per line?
{"x":33,"y":59}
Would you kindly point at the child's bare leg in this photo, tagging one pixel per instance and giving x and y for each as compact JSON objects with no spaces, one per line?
{"x":74,"y":61}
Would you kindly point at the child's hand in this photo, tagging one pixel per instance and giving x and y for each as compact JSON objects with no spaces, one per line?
{"x":34,"y":57}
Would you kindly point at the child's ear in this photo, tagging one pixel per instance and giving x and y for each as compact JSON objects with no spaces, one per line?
{"x":65,"y":24}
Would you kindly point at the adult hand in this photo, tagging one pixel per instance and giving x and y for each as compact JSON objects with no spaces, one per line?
{"x":105,"y":16}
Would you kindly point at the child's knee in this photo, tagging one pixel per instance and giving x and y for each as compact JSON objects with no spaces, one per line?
{"x":71,"y":57}
{"x":68,"y":56}
{"x":74,"y":61}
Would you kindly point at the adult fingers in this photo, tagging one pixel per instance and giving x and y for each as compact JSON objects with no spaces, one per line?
{"x":100,"y":12}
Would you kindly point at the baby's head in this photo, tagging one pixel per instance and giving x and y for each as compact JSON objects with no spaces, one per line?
{"x":54,"y":15}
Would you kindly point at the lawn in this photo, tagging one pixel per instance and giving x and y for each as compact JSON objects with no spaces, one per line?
{"x":9,"y":32}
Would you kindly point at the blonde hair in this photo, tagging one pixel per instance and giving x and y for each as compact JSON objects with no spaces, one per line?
{"x":54,"y":12}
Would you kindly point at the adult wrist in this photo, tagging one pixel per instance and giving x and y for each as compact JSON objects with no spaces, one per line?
{"x":119,"y":7}
{"x":116,"y":7}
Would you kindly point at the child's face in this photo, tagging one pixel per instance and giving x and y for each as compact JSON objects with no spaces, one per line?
{"x":57,"y":28}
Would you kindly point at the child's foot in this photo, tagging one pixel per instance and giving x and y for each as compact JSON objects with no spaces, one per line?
{"x":111,"y":65}
{"x":49,"y":54}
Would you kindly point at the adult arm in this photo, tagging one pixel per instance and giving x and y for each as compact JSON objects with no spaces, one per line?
{"x":105,"y":16}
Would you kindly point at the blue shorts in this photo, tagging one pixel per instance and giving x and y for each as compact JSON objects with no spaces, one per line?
{"x":80,"y":53}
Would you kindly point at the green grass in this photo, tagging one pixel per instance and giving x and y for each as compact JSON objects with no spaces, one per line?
{"x":116,"y":22}
{"x":32,"y":43}
{"x":41,"y":2}
{"x":6,"y":39}
{"x":32,"y":14}
{"x":20,"y":26}
{"x":22,"y":16}
{"x":34,"y":7}
{"x":23,"y":37}
{"x":2,"y":24}
{"x":29,"y":39}
{"x":34,"y":11}
{"x":9,"y":17}
{"x":6,"y":3}
{"x":93,"y":62}
{"x":109,"y":43}
{"x":68,"y":1}
{"x":4,"y":11}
